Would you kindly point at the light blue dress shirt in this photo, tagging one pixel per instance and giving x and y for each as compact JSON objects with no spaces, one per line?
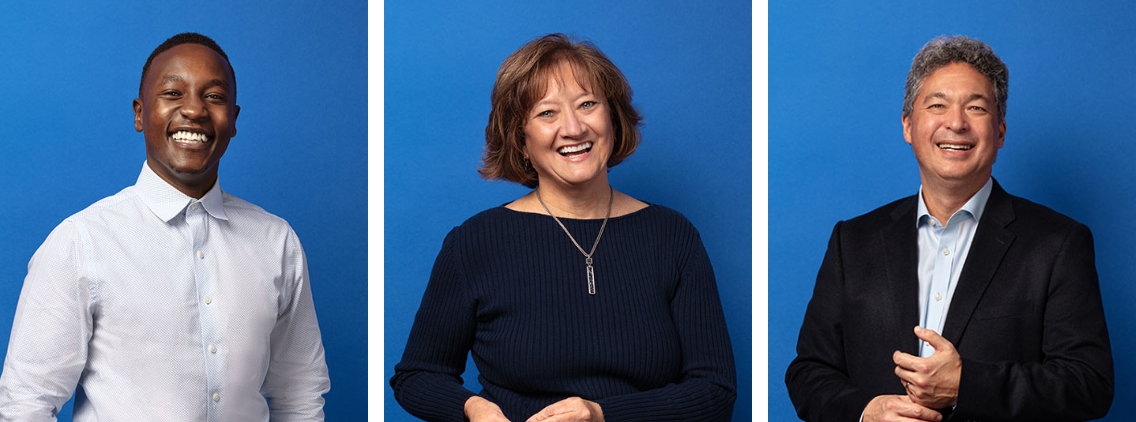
{"x":155,"y":306}
{"x":943,"y":249}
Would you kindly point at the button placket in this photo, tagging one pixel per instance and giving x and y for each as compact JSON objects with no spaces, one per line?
{"x":940,"y":279}
{"x":208,"y":313}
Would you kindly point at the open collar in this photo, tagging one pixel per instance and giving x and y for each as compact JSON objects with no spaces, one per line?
{"x":166,"y":202}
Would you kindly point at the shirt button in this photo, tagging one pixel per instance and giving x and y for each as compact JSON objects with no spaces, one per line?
{"x":193,"y":207}
{"x":212,"y":348}
{"x":208,"y":300}
{"x":938,"y":297}
{"x":945,"y":251}
{"x":216,"y":397}
{"x":200,"y":254}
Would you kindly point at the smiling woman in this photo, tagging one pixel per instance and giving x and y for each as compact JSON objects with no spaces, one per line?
{"x":573,"y":108}
{"x":529,"y":83}
{"x":630,"y":329}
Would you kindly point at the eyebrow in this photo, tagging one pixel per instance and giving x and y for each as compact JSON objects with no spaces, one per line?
{"x":582,"y":95}
{"x":943,"y":96}
{"x":177,"y":78}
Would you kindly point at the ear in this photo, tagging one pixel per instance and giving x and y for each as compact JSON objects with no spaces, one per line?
{"x":1001,"y":133}
{"x":137,"y":114}
{"x":236,"y":112}
{"x":906,"y":121}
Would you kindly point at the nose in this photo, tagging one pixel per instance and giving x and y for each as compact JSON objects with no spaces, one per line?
{"x":193,"y":108}
{"x":573,"y":127}
{"x":957,"y":120}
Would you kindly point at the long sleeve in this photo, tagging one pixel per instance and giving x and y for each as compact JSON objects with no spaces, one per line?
{"x":510,"y":289}
{"x":1026,"y":318}
{"x":48,"y":347}
{"x":151,"y":305}
{"x":818,"y":379}
{"x":707,"y":389}
{"x":427,"y":382}
{"x":297,"y":375}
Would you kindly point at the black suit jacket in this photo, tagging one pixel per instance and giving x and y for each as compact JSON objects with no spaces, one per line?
{"x":1026,"y":318}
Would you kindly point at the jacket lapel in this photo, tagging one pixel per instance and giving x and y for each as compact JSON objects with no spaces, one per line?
{"x":901,"y":249}
{"x":991,"y":241}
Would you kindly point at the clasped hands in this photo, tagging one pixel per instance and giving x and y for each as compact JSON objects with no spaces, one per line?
{"x":572,"y":409}
{"x":931,"y":383}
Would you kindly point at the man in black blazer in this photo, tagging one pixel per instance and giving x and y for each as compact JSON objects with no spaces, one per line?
{"x":1011,"y":285}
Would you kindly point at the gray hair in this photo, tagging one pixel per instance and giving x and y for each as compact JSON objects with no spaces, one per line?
{"x":943,"y":51}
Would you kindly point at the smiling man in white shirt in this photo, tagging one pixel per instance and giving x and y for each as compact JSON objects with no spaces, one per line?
{"x":171,"y":300}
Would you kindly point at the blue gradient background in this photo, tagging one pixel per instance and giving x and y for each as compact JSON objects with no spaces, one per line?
{"x":68,"y":73}
{"x":689,"y":64}
{"x":836,"y":150}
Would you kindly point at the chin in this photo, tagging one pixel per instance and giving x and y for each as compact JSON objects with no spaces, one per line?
{"x":191,"y":169}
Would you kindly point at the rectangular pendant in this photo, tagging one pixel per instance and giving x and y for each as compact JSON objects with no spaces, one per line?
{"x":591,"y":281}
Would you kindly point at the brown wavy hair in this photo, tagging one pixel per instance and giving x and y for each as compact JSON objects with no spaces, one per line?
{"x":522,"y":80}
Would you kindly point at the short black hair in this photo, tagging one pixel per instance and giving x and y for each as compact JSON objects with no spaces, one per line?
{"x":186,"y":38}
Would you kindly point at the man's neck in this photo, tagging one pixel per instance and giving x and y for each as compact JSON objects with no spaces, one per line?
{"x":195,"y":187}
{"x":944,"y":199}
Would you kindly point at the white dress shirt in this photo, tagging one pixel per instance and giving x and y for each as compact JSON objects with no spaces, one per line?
{"x":161,"y":307}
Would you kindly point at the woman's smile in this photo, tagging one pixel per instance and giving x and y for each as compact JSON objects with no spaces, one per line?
{"x":574,"y":151}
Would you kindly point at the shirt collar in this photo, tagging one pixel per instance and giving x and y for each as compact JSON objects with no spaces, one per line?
{"x":166,"y":202}
{"x":974,"y":206}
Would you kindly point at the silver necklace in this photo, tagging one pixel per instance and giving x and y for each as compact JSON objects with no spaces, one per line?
{"x":587,"y":255}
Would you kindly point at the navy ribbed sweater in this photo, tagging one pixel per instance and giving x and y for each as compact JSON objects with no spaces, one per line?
{"x":509,"y":286}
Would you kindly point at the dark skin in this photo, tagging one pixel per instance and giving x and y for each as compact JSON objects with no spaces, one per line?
{"x":187,"y":115}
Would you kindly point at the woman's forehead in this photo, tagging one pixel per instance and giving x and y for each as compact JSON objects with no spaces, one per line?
{"x":563,"y":73}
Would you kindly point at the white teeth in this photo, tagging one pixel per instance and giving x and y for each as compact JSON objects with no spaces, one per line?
{"x":190,"y":137}
{"x":953,"y":147}
{"x":577,"y":148}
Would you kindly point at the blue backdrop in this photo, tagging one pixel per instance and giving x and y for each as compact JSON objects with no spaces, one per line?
{"x":836,"y":149}
{"x":689,"y":65}
{"x":68,"y":73}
